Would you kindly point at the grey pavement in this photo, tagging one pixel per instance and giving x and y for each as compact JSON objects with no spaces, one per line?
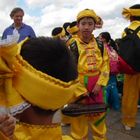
{"x":115,"y":130}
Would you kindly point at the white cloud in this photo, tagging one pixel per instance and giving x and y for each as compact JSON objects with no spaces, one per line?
{"x":54,"y":13}
{"x":57,"y":3}
{"x":6,"y":4}
{"x":5,"y":8}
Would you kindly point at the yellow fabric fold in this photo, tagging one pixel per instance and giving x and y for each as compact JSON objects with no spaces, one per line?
{"x":88,"y":13}
{"x":127,"y":13}
{"x":39,"y":132}
{"x":21,"y":82}
{"x":42,"y":86}
{"x":73,"y":30}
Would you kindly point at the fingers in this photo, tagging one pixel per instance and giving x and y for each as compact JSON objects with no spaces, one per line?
{"x":8,"y":126}
{"x":9,"y":130}
{"x":2,"y":118}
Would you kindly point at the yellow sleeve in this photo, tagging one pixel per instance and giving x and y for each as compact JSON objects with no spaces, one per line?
{"x":104,"y":69}
{"x":7,"y":56}
{"x":80,"y":90}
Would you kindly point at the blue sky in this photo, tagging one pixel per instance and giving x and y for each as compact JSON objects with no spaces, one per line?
{"x":44,"y":15}
{"x":32,"y":11}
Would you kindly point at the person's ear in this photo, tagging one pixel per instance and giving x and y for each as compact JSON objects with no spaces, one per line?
{"x":78,"y":24}
{"x":99,"y":24}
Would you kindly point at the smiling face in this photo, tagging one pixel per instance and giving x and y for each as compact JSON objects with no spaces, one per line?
{"x":18,"y":17}
{"x":86,"y":26}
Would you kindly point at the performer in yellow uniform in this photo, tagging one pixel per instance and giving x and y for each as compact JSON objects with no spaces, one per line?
{"x":35,"y":83}
{"x":131,"y":90}
{"x":93,"y":70}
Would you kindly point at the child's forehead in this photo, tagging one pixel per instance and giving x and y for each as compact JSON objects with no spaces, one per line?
{"x":87,"y":19}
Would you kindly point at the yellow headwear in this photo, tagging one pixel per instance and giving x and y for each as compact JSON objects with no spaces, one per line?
{"x":61,"y":34}
{"x":72,"y":30}
{"x":127,"y":13}
{"x":88,"y":13}
{"x":20,"y":82}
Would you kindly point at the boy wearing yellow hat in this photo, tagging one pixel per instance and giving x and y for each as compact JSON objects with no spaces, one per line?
{"x":93,"y":72}
{"x":131,"y":87}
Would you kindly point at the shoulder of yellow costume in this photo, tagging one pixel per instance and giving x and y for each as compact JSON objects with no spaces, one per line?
{"x":133,"y":26}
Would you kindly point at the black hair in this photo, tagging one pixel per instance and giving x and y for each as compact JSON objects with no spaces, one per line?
{"x":15,"y":10}
{"x":56,"y":31}
{"x":50,"y":56}
{"x":136,"y":6}
{"x":72,"y":24}
{"x":65,"y":25}
{"x":118,"y":41}
{"x":107,"y":37}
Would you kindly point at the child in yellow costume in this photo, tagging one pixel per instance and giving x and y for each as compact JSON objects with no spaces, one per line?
{"x":38,"y":76}
{"x":131,"y":89}
{"x":93,"y":72}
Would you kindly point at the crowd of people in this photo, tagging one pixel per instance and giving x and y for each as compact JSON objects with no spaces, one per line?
{"x":70,"y":64}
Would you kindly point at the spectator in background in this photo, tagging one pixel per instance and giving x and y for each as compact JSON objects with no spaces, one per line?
{"x":23,"y":29}
{"x":111,"y":89}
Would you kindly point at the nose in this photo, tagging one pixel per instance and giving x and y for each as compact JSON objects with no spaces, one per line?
{"x":19,"y":17}
{"x":86,"y":26}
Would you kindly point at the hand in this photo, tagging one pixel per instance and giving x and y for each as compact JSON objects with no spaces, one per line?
{"x":7,"y":125}
{"x":96,"y":89}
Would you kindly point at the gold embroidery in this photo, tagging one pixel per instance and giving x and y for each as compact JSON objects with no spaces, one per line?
{"x":91,"y":58}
